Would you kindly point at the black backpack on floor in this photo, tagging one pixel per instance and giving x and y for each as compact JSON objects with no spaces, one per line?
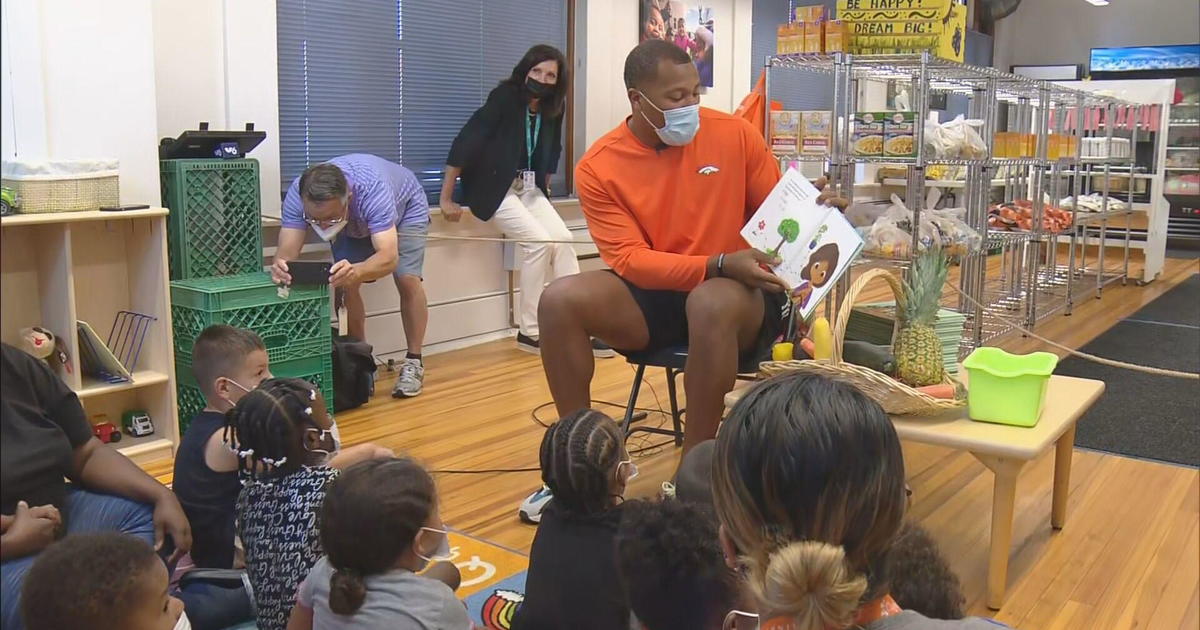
{"x":353,"y":372}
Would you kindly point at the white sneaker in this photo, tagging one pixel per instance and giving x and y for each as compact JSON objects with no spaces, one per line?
{"x":411,"y":379}
{"x":532,"y":506}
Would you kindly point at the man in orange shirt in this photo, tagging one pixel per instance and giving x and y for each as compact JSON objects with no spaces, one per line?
{"x":666,"y":194}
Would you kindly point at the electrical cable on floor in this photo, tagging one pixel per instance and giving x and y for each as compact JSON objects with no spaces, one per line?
{"x":633,"y":452}
{"x":485,"y":471}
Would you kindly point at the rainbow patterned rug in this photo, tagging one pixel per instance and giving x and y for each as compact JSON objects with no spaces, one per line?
{"x":493,"y":580}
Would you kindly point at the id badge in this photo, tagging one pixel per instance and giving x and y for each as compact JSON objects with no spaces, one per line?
{"x":528,"y":180}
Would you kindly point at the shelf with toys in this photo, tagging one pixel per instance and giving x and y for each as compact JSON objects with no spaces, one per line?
{"x":95,"y":287}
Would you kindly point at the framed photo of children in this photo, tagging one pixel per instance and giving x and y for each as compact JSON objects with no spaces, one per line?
{"x":686,"y":23}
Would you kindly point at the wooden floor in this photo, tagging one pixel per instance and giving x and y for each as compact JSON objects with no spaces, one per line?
{"x":1128,"y":556}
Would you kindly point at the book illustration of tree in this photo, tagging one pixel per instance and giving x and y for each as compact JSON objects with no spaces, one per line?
{"x":789,"y":230}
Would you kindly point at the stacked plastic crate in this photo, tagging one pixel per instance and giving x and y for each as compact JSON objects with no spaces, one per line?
{"x":215,"y":249}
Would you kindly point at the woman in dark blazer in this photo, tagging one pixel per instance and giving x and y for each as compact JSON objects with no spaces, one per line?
{"x":505,"y":156}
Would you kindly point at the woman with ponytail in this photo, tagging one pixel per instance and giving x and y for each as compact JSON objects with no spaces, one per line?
{"x":379,"y":526}
{"x":808,"y":484}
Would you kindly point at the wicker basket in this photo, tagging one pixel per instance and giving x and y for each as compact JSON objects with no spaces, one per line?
{"x":62,"y":185}
{"x":895,"y":397}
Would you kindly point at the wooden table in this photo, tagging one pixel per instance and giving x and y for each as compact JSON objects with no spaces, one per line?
{"x":1005,"y":450}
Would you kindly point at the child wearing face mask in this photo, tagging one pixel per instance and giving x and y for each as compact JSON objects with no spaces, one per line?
{"x":379,"y":527}
{"x":227,"y":362}
{"x":287,"y":447}
{"x":573,"y":579}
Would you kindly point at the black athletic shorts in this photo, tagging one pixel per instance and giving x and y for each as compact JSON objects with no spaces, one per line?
{"x":665,"y":313}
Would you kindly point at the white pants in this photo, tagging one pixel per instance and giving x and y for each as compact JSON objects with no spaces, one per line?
{"x":528,"y":214}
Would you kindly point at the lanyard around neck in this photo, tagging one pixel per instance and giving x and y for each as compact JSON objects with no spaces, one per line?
{"x":531,"y":139}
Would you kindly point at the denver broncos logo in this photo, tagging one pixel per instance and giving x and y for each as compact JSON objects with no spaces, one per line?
{"x":500,"y":608}
{"x":708,"y":170}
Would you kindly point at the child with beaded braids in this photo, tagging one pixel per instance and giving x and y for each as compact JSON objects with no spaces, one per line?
{"x":286,"y":444}
{"x":573,"y":580}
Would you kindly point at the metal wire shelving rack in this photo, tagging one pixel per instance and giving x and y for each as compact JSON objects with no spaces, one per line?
{"x":1031,"y":283}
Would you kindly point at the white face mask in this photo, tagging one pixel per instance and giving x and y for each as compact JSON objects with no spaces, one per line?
{"x":441,"y":554}
{"x":183,"y":623}
{"x":633,"y":470}
{"x":682,"y":123}
{"x":328,"y":233}
{"x":731,"y":619}
{"x":239,"y":386}
{"x":333,"y":434}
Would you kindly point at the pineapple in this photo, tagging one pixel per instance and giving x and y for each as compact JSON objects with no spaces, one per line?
{"x":917,"y":349}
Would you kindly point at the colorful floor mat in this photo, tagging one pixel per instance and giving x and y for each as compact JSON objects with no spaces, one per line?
{"x":493,"y":580}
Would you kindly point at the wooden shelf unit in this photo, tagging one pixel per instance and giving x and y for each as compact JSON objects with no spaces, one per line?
{"x":62,"y":267}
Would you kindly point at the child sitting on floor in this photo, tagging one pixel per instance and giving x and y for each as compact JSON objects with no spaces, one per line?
{"x":921,"y":578}
{"x":285,"y":442}
{"x":379,"y":526}
{"x":672,"y":568}
{"x":227,"y":363}
{"x":107,"y":581}
{"x":573,"y":580}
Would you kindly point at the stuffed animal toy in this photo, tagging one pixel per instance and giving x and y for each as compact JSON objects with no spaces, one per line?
{"x":43,"y":344}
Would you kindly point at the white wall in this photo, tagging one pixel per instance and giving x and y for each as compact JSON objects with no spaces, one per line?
{"x":1065,"y":31}
{"x":79,"y":83}
{"x":612,"y":31}
{"x":216,"y":61}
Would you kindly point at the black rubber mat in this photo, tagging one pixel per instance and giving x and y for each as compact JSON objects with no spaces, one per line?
{"x":1180,"y":305}
{"x":1143,"y":415}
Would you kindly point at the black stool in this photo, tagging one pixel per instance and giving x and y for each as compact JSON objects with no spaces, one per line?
{"x":672,"y":360}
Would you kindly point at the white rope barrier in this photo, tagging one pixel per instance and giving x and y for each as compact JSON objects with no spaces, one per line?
{"x":1083,"y":355}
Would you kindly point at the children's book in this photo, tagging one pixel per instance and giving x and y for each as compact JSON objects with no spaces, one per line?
{"x":815,"y":242}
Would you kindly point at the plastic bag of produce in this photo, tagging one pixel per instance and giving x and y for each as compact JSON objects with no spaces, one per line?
{"x":963,"y":140}
{"x":936,"y":143}
{"x":956,"y":236}
{"x":891,"y":234}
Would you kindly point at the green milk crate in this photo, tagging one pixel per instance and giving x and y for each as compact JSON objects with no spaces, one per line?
{"x":294,"y":327}
{"x":215,"y":224}
{"x":316,"y":369}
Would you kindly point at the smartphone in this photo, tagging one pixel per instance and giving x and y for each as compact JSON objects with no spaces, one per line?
{"x":307,"y":272}
{"x":138,"y":206}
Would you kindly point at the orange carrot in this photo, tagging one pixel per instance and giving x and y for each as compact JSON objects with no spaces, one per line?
{"x":938,"y":391}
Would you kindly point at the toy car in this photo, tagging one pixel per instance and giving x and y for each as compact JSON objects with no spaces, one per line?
{"x":106,"y":432}
{"x":137,"y":423}
{"x":9,"y":201}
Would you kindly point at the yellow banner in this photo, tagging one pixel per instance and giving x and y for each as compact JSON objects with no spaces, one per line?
{"x":890,"y":16}
{"x":893,"y":5}
{"x":897,"y":28}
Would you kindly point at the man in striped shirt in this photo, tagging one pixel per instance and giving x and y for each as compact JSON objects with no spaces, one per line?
{"x":375,"y":216}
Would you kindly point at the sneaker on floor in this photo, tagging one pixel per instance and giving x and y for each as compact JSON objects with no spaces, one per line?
{"x":532,"y":506}
{"x":528,"y":344}
{"x":410,"y":380}
{"x":601,"y":350}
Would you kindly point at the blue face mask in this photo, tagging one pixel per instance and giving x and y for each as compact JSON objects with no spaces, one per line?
{"x":681,"y":126}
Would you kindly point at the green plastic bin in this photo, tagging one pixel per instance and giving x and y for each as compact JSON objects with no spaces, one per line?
{"x":294,"y":327}
{"x":316,"y":369}
{"x":1007,"y":388}
{"x":215,"y":224}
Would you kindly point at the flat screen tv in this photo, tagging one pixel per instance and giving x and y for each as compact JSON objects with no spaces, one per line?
{"x":1183,"y":57}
